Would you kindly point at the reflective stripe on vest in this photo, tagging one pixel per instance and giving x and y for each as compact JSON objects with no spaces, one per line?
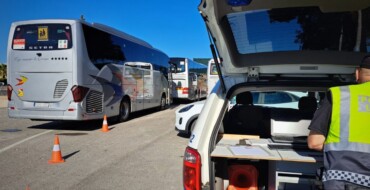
{"x":350,"y":121}
{"x":347,"y":176}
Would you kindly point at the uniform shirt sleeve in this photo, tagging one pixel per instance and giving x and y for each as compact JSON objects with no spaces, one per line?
{"x":321,"y":119}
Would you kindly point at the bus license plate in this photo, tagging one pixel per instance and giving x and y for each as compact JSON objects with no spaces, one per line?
{"x":42,"y":105}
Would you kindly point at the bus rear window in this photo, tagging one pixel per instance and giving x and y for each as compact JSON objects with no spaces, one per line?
{"x":42,"y":37}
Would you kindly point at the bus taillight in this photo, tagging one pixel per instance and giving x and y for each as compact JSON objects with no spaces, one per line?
{"x":79,"y":93}
{"x":191,"y":170}
{"x":185,"y":90}
{"x":9,"y":92}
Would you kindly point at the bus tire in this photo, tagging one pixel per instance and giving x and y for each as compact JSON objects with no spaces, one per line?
{"x":162,"y":105}
{"x":124,"y":110}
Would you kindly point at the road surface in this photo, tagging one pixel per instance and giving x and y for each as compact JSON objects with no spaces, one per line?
{"x":142,"y":153}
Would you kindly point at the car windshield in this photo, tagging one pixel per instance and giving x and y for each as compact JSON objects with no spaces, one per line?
{"x":295,"y":29}
{"x":279,"y":99}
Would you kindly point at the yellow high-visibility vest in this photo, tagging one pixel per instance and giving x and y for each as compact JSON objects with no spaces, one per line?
{"x":350,"y":120}
{"x":347,"y":146}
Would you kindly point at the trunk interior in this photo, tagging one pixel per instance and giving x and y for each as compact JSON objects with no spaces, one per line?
{"x":257,"y":135}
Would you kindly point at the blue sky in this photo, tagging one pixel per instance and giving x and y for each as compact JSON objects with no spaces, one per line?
{"x":173,"y":26}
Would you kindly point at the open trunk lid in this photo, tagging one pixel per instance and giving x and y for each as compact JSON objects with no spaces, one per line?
{"x":288,"y":37}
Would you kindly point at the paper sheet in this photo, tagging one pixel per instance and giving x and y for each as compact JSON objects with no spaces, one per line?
{"x":248,"y":151}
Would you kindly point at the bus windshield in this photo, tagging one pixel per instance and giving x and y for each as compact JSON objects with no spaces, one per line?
{"x":213,"y":69}
{"x":296,"y":29}
{"x":42,"y":37}
{"x":178,"y":65}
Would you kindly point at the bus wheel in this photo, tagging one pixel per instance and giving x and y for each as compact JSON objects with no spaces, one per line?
{"x":124,"y":110}
{"x":162,"y":106}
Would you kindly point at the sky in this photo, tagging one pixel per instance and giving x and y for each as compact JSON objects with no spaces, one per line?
{"x":172,"y":26}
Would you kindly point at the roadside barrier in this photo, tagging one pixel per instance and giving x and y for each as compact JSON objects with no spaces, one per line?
{"x":105,"y":125}
{"x":56,"y":155}
{"x":243,"y":177}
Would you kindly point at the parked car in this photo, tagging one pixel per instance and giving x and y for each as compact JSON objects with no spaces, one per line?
{"x":187,"y":115}
{"x":264,"y":46}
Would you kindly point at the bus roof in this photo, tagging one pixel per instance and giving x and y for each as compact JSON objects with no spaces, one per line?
{"x":121,"y":34}
{"x":99,"y":26}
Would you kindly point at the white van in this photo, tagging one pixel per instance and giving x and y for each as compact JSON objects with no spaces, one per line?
{"x":271,"y":46}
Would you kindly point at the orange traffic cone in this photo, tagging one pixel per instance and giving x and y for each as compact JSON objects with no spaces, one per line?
{"x":243,"y":177}
{"x":105,"y":124}
{"x":56,"y":156}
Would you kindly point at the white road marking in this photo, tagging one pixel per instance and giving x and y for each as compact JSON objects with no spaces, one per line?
{"x":24,"y":140}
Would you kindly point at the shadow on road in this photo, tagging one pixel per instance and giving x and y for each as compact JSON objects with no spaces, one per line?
{"x":70,"y":125}
{"x":183,"y":135}
{"x":91,"y":125}
{"x":94,"y":124}
{"x":173,"y":106}
{"x":139,"y":114}
{"x":69,"y":155}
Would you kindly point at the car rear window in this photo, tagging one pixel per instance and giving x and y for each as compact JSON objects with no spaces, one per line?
{"x":42,"y":37}
{"x":302,"y":28}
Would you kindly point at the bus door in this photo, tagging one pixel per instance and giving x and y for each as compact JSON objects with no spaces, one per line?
{"x":148,"y":88}
{"x":193,"y":85}
{"x":212,"y":76}
{"x":133,"y":86}
{"x":173,"y":81}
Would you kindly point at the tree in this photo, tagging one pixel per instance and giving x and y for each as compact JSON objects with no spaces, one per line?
{"x":3,"y":73}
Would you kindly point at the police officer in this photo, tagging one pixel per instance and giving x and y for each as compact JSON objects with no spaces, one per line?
{"x":341,"y":129}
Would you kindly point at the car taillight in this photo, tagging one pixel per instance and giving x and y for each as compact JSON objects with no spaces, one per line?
{"x":185,"y":90}
{"x":191,"y":170}
{"x":9,"y":92}
{"x":79,"y":93}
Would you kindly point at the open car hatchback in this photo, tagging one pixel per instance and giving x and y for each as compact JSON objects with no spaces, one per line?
{"x":271,"y":46}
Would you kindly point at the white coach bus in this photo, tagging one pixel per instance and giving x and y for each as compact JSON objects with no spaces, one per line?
{"x":74,"y":70}
{"x":212,"y":75}
{"x":189,"y":79}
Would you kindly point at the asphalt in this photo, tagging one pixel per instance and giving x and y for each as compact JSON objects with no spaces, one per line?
{"x":3,"y":98}
{"x":3,"y":102}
